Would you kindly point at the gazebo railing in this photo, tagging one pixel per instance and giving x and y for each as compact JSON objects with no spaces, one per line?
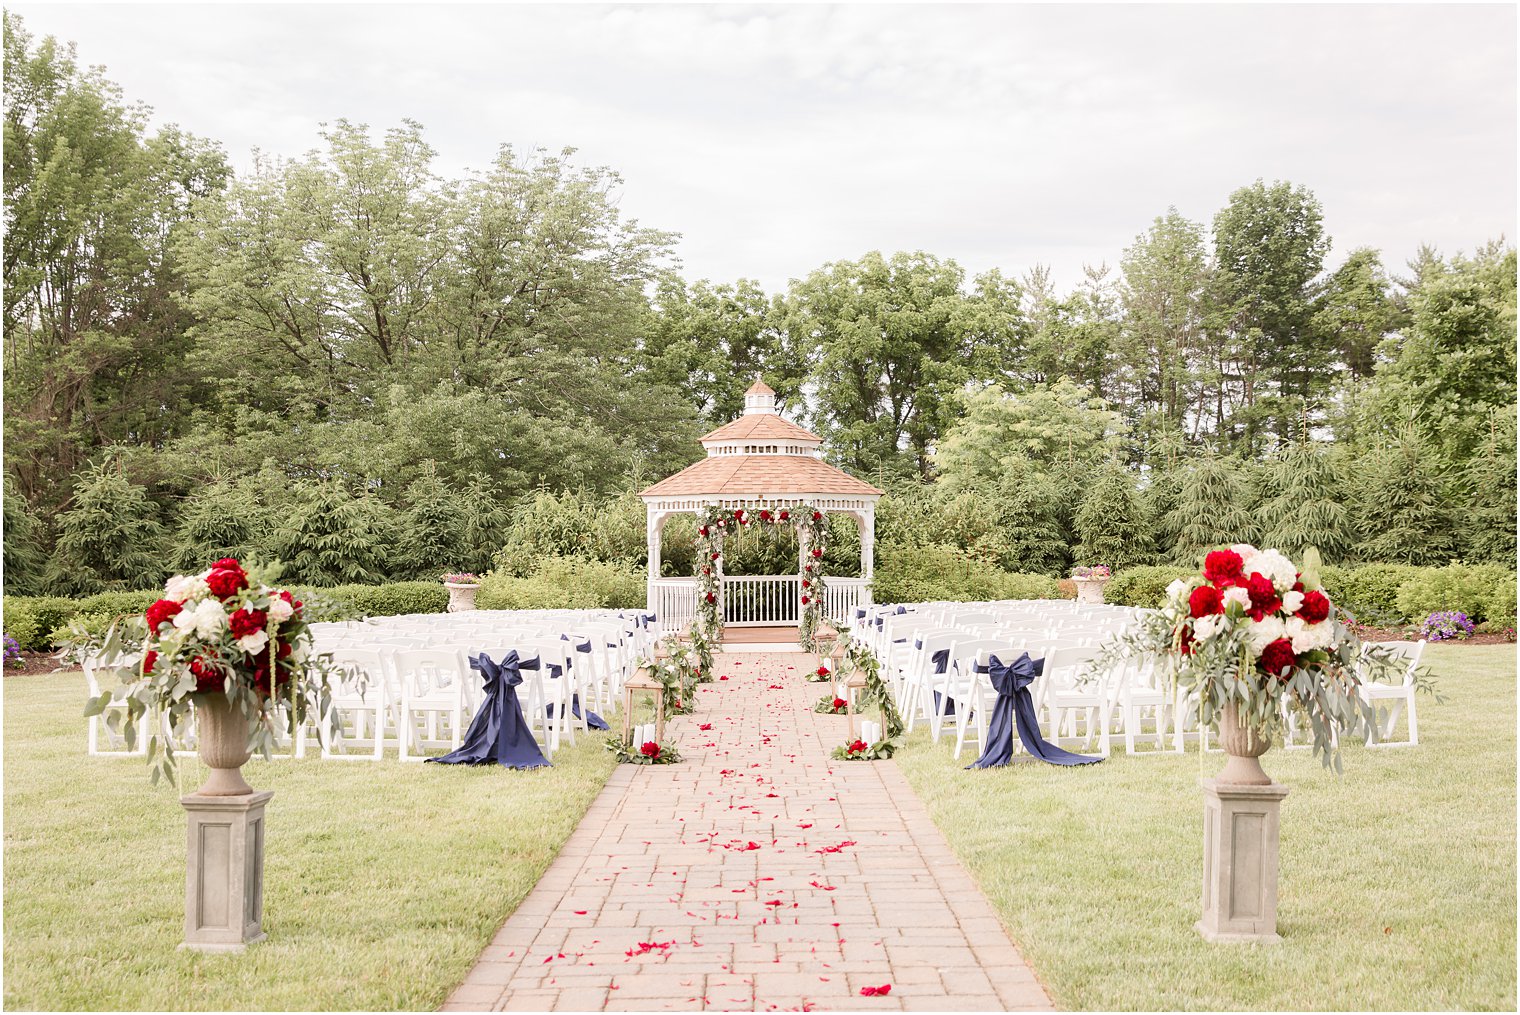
{"x":759,"y":600}
{"x":674,"y":602}
{"x":843,"y":596}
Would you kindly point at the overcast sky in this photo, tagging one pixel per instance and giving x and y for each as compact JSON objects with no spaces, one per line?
{"x":776,"y":138}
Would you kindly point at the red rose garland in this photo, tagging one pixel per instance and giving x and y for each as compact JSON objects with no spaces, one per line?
{"x":714,"y":524}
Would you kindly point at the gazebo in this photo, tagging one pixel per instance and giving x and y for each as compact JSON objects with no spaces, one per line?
{"x":760,"y":461}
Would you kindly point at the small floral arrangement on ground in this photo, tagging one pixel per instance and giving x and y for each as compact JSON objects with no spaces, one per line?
{"x":821,"y":674}
{"x":1252,"y":634}
{"x":1447,"y":625}
{"x":647,"y":753}
{"x":859,"y":750}
{"x":830,"y":705}
{"x":1096,"y":571}
{"x":12,"y":652}
{"x":223,"y":631}
{"x":462,"y":578}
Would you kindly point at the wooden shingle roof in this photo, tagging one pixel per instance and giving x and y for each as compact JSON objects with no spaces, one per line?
{"x":758,"y":476}
{"x":762,"y":425}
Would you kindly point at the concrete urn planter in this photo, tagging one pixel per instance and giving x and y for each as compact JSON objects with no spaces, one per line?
{"x":461,"y":595}
{"x":222,"y":734}
{"x":1244,"y":747}
{"x":1090,"y":590}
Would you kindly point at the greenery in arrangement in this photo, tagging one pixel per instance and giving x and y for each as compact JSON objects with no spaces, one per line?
{"x":1078,"y":880}
{"x":830,"y":705}
{"x":874,"y":696}
{"x":678,"y":669}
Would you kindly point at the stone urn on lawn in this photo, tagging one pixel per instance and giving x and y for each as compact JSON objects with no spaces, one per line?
{"x":462,"y":589}
{"x":1090,"y":582}
{"x":222,"y":742}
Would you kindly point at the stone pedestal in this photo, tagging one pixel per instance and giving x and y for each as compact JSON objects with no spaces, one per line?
{"x":1240,"y":862}
{"x":224,"y":877}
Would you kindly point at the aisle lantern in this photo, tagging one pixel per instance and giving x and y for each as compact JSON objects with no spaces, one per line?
{"x":852,"y":688}
{"x":643,"y":680}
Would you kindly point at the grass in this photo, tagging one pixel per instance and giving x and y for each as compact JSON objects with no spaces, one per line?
{"x":383,"y":881}
{"x":1397,"y":885}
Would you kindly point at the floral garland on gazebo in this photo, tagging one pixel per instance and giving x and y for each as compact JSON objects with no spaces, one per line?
{"x":714,"y":523}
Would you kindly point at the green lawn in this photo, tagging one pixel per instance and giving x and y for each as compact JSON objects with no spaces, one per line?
{"x":1397,"y":888}
{"x":383,"y":881}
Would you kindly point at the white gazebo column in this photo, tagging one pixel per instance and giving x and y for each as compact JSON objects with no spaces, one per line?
{"x":868,"y":542}
{"x":654,"y":523}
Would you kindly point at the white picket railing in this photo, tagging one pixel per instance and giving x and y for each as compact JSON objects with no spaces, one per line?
{"x":756,"y":600}
{"x":759,"y":600}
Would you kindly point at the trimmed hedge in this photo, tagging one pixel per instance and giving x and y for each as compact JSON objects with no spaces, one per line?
{"x":1485,"y":592}
{"x":921,"y":574}
{"x":1143,"y":586}
{"x":566,"y":583}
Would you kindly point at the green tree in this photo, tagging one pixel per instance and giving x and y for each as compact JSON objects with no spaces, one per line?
{"x":1357,"y":311}
{"x":484,"y":520}
{"x":219,"y":520}
{"x":95,"y":336}
{"x":1112,"y":525}
{"x":1166,"y":278}
{"x":333,"y":538}
{"x":1403,"y":518}
{"x":1213,"y":509}
{"x":1032,"y":532}
{"x":109,"y":537}
{"x":432,"y":536}
{"x":25,"y":553}
{"x":886,"y":355}
{"x":1490,"y":495}
{"x":1305,"y":505}
{"x":1269,"y":249}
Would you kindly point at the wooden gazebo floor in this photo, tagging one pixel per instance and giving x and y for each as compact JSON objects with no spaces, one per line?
{"x":733,"y":637}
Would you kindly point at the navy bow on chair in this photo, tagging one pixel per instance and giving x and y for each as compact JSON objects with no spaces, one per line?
{"x":1015,"y":708}
{"x":498,"y":733}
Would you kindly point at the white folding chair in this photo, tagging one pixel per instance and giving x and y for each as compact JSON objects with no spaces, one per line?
{"x":1400,"y":695}
{"x":361,"y":713}
{"x":432,"y":691}
{"x":116,"y":742}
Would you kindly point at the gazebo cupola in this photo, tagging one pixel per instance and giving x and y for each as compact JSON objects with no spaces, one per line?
{"x":760,"y":460}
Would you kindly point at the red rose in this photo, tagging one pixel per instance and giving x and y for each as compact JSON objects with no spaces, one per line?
{"x":227,"y":564}
{"x":207,"y":678}
{"x":161,"y":611}
{"x":765,"y":515}
{"x":226,"y":582}
{"x":840,"y":703}
{"x":817,"y":552}
{"x":1185,"y":646}
{"x":1277,"y":657}
{"x":805,"y":600}
{"x":804,"y":583}
{"x":1316,"y":607}
{"x":150,"y":658}
{"x":1263,"y":594}
{"x":823,"y":671}
{"x":711,"y":598}
{"x":817,"y":516}
{"x":858,"y":747}
{"x":285,"y":649}
{"x":1205,"y":601}
{"x":716,"y":555}
{"x":702,"y":531}
{"x":783,"y":516}
{"x":1222,"y":566}
{"x":650,"y":750}
{"x":245,"y":622}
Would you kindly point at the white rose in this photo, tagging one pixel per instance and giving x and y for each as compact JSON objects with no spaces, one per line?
{"x":1246,"y":551}
{"x":1263,"y":633}
{"x":1177,"y":591}
{"x":207,"y":619}
{"x":1237,"y":595}
{"x":182,"y":587}
{"x":1292,"y":601}
{"x":1276,"y":568}
{"x":280,"y":611}
{"x":1205,"y":628}
{"x":1307,"y":636}
{"x":253,"y":643}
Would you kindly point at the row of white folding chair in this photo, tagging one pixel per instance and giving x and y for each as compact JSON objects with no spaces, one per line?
{"x":1400,"y":693}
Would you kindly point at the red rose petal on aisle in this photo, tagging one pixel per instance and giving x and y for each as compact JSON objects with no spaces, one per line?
{"x":881,"y":991}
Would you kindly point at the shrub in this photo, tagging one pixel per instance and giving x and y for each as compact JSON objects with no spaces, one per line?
{"x":921,"y":574}
{"x":1371,"y":593}
{"x":1144,"y":586}
{"x":570,"y":582}
{"x":390,"y":600}
{"x":31,"y":620}
{"x":1482,"y":592}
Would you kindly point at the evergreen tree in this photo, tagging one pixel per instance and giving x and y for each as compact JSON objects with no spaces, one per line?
{"x":432,"y":528}
{"x":1112,"y":524}
{"x":25,"y":558}
{"x":484,"y":521}
{"x":332,"y":538}
{"x":218,"y":520}
{"x":1303,"y":505}
{"x":108,"y":538}
{"x":1403,"y":518}
{"x":1214,"y":508}
{"x":1031,"y":528}
{"x":1490,"y":481}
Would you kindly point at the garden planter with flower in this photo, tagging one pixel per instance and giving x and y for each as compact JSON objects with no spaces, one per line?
{"x":462,"y":589}
{"x":231,"y":653}
{"x":1090,"y":582}
{"x":1250,"y":638}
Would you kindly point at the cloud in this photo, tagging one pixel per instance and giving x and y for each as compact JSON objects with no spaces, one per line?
{"x":776,"y":138}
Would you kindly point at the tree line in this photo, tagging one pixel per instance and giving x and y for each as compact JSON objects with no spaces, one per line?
{"x":346,"y":349}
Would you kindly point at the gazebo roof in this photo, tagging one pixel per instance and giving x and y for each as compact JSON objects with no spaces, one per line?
{"x":760,"y":476}
{"x":762,"y":425}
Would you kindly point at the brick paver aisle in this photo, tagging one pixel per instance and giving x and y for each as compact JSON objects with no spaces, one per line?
{"x":757,"y":875}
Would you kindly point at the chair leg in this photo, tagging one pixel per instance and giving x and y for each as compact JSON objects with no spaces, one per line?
{"x":1414,"y":723}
